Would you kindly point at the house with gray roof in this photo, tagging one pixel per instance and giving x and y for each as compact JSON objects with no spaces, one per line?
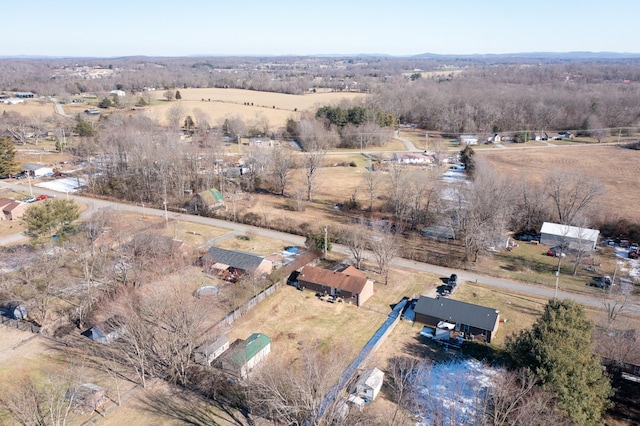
{"x":472,"y":320}
{"x":217,"y":260}
{"x":207,"y":353}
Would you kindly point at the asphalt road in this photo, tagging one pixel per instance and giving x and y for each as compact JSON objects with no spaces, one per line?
{"x":498,"y":283}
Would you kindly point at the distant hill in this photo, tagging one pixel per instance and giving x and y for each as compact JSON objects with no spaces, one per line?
{"x":536,"y":55}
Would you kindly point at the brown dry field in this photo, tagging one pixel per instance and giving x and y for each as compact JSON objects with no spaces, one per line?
{"x":31,"y":107}
{"x":220,"y":104}
{"x":617,"y":168}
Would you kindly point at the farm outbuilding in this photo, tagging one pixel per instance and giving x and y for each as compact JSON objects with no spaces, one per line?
{"x":202,"y":202}
{"x":38,"y":170}
{"x":246,"y":355}
{"x":209,"y":352}
{"x":13,"y":310}
{"x":468,"y":139}
{"x":369,"y":384}
{"x":569,"y":237}
{"x":472,"y":320}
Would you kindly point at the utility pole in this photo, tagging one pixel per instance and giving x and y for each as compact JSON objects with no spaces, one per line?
{"x":325,"y":242}
{"x":555,"y":294}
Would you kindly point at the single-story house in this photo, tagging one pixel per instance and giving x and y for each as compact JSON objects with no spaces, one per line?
{"x":246,"y":354}
{"x":207,"y":353}
{"x":13,"y":310}
{"x":107,"y":331}
{"x":472,"y":320}
{"x":11,"y":209}
{"x":413,"y":158}
{"x":210,"y":199}
{"x":369,"y":384}
{"x":118,"y":93}
{"x":569,"y":237}
{"x":38,"y":170}
{"x":217,"y":260}
{"x":350,"y":284}
{"x":24,"y":95}
{"x":468,"y":139}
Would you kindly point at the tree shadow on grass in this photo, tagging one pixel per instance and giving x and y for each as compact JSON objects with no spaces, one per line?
{"x":522,"y":263}
{"x":188,"y":408}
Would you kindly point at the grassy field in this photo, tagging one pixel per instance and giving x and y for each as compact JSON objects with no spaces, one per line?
{"x":529,"y":263}
{"x":253,"y":107}
{"x":617,"y":168}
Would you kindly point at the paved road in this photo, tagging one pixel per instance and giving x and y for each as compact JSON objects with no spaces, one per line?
{"x":409,"y":146}
{"x":59,"y":108}
{"x":498,"y":283}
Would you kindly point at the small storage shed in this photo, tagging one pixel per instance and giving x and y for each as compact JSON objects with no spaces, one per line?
{"x":107,"y":331}
{"x":38,"y":170}
{"x":244,"y":356}
{"x":13,"y":310}
{"x":207,"y":353}
{"x":369,"y":384}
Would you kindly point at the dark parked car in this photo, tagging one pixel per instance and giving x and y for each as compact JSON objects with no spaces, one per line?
{"x":453,"y":280}
{"x":601,"y":282}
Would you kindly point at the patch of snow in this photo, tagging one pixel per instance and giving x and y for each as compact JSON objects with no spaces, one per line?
{"x":63,"y":185}
{"x":630,"y":266}
{"x":453,"y":392}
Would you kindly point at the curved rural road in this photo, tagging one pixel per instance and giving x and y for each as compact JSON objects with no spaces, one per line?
{"x":497,"y":283}
{"x":409,"y":146}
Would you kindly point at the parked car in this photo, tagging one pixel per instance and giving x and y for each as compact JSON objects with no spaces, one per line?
{"x":42,"y":197}
{"x":601,"y":282}
{"x":7,"y":176}
{"x":21,"y":175}
{"x":556,"y":252}
{"x":453,"y":280}
{"x":57,"y":174}
{"x":30,"y":199}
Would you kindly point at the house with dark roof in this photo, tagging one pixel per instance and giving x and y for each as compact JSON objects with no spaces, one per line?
{"x":237,"y":263}
{"x":473,"y":320}
{"x":203,"y":202}
{"x":245,"y":355}
{"x":349,"y":284}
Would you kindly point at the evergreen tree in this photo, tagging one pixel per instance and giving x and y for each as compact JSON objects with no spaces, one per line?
{"x":105,"y":103}
{"x":51,"y":217}
{"x":8,"y":163}
{"x":178,"y":95}
{"x":85,"y":129}
{"x":559,"y":351}
{"x":466,"y":157}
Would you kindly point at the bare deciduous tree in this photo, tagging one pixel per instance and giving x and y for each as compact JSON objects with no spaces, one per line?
{"x":572,"y":195}
{"x":282,"y":162}
{"x":385,"y":246}
{"x":356,"y":239}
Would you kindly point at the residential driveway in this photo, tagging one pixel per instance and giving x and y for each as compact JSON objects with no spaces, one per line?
{"x":408,"y":145}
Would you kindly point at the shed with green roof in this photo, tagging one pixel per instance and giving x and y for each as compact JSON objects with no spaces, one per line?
{"x":245,"y":355}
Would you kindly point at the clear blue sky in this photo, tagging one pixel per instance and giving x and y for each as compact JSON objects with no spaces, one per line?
{"x":106,"y":28}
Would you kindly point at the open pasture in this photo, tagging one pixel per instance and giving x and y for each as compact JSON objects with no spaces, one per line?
{"x":249,"y":105}
{"x":617,"y":168}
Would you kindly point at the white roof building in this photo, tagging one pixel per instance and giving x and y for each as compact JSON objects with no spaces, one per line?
{"x":572,"y":237}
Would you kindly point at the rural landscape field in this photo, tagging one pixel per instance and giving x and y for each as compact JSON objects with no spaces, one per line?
{"x":254,"y":241}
